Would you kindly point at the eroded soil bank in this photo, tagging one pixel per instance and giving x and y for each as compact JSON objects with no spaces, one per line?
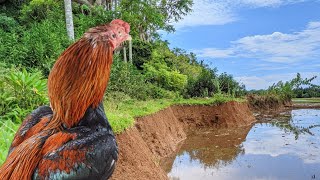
{"x":157,"y":136}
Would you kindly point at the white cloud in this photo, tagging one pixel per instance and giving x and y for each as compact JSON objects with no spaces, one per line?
{"x":276,"y":47}
{"x":207,"y":12}
{"x":268,"y":3}
{"x":263,"y":82}
{"x":214,"y":52}
{"x":220,"y":12}
{"x":273,"y":141}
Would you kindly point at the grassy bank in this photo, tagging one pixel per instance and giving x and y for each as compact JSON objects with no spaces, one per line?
{"x":121,"y":114}
{"x":306,"y":100}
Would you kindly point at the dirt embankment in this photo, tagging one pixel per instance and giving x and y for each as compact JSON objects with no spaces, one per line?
{"x":267,"y":103}
{"x":157,"y":136}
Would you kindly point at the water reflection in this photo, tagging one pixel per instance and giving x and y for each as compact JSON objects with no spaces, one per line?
{"x":285,"y":147}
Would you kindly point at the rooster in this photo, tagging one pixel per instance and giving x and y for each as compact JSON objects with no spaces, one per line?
{"x":71,"y":138}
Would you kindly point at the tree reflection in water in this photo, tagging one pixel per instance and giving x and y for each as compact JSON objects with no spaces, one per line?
{"x":211,"y":147}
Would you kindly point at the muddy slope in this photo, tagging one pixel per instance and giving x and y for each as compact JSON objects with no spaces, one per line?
{"x":265,"y":103}
{"x":157,"y":136}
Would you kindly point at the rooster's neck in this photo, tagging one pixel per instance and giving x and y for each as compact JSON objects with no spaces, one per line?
{"x":95,"y":116}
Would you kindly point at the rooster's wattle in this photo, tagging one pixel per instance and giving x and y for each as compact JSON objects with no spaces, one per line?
{"x":71,"y":139}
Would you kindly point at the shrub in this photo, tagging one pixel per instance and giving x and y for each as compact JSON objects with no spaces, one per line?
{"x":141,"y":53}
{"x":202,"y":86}
{"x":38,"y":10}
{"x":95,"y":16}
{"x":160,"y":74}
{"x":127,"y":79}
{"x":7,"y":24}
{"x":42,"y":44}
{"x":21,"y":92}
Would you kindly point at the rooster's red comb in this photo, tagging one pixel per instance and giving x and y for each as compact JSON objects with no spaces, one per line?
{"x":121,"y":23}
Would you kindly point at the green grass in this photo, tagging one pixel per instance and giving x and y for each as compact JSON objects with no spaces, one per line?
{"x":306,"y":100}
{"x":120,"y":112}
{"x":8,"y":130}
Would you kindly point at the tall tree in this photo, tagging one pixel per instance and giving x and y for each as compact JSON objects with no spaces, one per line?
{"x":149,"y":16}
{"x":69,"y":19}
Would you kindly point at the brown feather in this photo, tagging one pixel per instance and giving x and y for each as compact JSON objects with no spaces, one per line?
{"x":78,"y":80}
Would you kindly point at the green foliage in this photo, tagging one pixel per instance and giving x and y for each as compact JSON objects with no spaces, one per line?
{"x":37,"y":47}
{"x":38,"y":10}
{"x":43,"y":43}
{"x":280,"y":93}
{"x":146,"y":17}
{"x":7,"y":24}
{"x":202,"y":86}
{"x":21,"y":92}
{"x":126,"y":78}
{"x":142,"y":52}
{"x":175,"y":10}
{"x":306,"y":100}
{"x":163,"y":76}
{"x":85,"y":18}
{"x":229,"y":85}
{"x":186,"y":63}
{"x":307,"y":92}
{"x":8,"y":130}
{"x":18,"y":3}
{"x":288,"y":90}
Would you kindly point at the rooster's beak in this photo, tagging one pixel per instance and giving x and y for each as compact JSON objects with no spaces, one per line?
{"x":129,"y":38}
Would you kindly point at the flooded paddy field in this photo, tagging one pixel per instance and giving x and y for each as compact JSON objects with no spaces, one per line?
{"x":282,"y":146}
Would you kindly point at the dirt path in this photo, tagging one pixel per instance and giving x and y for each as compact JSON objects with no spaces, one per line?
{"x":156,"y":136}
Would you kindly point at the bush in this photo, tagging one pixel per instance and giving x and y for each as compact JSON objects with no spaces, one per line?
{"x":127,"y":79}
{"x":38,"y":47}
{"x":163,"y":76}
{"x":21,"y":92}
{"x":95,"y":16}
{"x":43,"y":43}
{"x":11,"y":52}
{"x":141,"y":53}
{"x":8,"y":24}
{"x":202,"y":86}
{"x":38,"y":10}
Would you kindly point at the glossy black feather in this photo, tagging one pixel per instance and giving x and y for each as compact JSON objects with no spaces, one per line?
{"x":93,"y":135}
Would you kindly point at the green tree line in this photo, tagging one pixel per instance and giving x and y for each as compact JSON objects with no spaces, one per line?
{"x":297,"y":87}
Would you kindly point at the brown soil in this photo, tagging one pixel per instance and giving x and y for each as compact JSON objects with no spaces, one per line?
{"x":157,"y":136}
{"x":265,"y":103}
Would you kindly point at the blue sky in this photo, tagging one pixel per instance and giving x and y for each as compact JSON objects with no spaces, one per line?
{"x":259,"y":42}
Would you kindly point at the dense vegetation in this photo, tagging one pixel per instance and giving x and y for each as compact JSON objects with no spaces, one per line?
{"x":33,"y":34}
{"x":281,"y":93}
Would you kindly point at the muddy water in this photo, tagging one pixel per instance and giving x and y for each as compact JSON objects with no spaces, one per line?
{"x":286,"y":146}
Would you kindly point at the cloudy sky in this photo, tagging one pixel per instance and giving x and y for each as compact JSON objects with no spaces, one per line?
{"x":259,"y":42}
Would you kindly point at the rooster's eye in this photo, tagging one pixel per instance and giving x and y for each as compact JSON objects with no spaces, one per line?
{"x":120,"y":34}
{"x":114,"y":35}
